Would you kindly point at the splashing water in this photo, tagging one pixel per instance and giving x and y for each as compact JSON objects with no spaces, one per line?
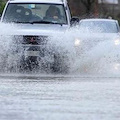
{"x":5,"y":45}
{"x":97,"y":53}
{"x":94,"y":56}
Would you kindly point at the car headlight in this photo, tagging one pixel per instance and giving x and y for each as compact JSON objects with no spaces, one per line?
{"x":77,"y":42}
{"x":117,"y":66}
{"x":117,"y":41}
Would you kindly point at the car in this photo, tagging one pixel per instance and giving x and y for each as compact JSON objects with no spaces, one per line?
{"x":37,"y":23}
{"x":91,"y":32}
{"x":97,"y":43}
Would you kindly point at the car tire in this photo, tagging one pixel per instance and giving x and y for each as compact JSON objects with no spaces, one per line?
{"x":60,"y":64}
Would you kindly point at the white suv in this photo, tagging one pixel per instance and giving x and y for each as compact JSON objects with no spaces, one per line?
{"x":38,"y":20}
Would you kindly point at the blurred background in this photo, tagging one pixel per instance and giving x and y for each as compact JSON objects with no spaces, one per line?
{"x":89,"y":8}
{"x":95,"y":8}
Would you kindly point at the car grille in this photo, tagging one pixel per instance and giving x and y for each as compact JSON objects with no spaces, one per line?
{"x":33,"y":40}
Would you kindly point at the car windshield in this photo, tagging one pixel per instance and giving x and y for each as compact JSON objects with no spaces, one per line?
{"x":99,"y":26}
{"x":35,"y":13}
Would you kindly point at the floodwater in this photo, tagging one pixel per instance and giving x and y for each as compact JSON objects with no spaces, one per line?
{"x":90,"y":91}
{"x":59,"y":97}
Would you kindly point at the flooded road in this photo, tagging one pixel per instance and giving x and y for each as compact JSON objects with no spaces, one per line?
{"x":59,"y":97}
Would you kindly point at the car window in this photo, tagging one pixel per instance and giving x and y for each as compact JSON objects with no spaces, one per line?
{"x":35,"y":12}
{"x":99,"y":26}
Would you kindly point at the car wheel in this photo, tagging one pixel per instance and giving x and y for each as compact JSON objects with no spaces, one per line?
{"x":31,"y":64}
{"x":60,"y":64}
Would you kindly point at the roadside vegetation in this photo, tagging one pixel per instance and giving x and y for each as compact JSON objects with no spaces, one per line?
{"x":2,"y":4}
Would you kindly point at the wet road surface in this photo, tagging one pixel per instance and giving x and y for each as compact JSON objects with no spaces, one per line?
{"x":59,"y":97}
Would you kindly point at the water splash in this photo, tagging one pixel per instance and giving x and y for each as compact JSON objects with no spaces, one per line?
{"x":97,"y":53}
{"x":94,"y":56}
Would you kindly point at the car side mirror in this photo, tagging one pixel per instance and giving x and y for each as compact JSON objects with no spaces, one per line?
{"x":74,"y":21}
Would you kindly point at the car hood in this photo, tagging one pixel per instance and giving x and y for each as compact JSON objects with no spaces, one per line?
{"x":89,"y":41}
{"x":34,"y":29}
{"x":99,"y":36}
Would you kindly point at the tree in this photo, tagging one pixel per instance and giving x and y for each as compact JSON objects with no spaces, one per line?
{"x":2,"y":5}
{"x":75,"y":6}
{"x":88,"y":5}
{"x":84,"y":8}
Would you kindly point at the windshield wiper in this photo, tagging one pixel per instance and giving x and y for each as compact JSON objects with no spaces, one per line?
{"x":45,"y":22}
{"x":21,"y":22}
{"x":37,"y":22}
